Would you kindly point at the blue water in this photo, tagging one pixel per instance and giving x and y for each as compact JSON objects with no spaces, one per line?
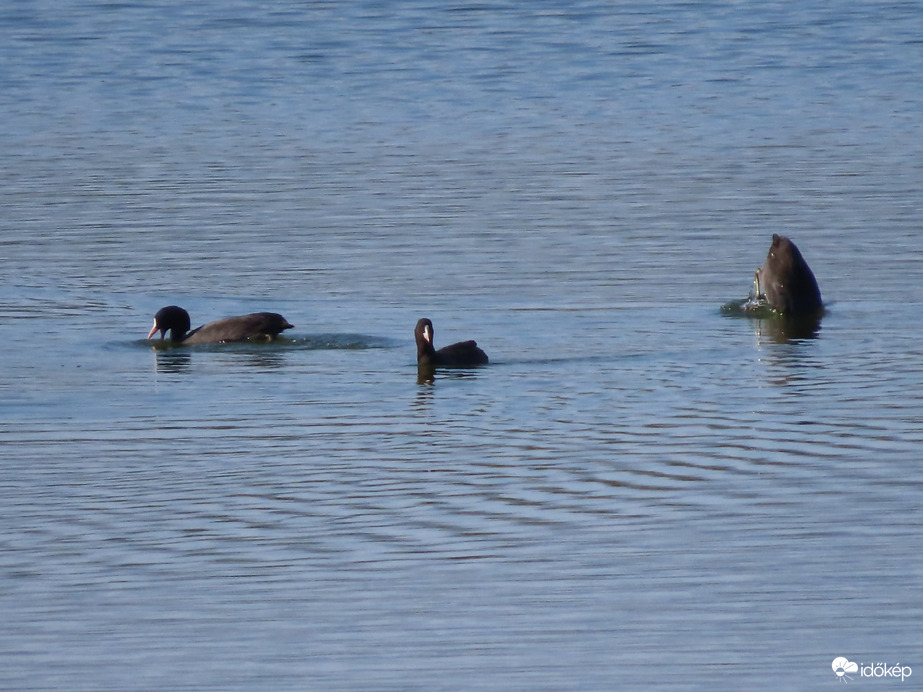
{"x":639,"y":492}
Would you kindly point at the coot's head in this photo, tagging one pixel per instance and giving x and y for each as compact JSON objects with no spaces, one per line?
{"x":424,"y":331}
{"x":171,"y":319}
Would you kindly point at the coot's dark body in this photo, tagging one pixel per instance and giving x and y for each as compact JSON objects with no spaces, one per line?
{"x":786,"y":280}
{"x":264,"y":326}
{"x":460,"y":355}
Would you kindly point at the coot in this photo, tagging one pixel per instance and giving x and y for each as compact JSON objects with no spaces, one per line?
{"x":786,"y":281}
{"x":463,"y":354}
{"x":258,"y":325}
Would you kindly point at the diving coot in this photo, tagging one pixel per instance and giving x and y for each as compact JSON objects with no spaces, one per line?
{"x":258,"y":325}
{"x":786,"y":281}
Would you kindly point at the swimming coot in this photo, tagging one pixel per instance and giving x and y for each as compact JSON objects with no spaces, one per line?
{"x":258,"y":325}
{"x":462,"y":354}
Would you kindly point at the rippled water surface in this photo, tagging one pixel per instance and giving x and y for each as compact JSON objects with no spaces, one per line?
{"x":639,"y":492}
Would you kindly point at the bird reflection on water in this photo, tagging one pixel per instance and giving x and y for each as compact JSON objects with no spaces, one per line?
{"x":179,"y":360}
{"x":172,"y":361}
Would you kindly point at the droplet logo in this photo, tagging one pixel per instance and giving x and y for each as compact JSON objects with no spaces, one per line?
{"x":842,"y":666}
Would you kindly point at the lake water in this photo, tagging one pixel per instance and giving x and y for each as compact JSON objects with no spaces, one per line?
{"x":639,"y":492}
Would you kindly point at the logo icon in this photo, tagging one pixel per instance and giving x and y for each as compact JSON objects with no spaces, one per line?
{"x":842,"y":666}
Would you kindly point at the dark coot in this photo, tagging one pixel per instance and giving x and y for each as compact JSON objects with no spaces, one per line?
{"x":462,"y":354}
{"x":786,"y":280}
{"x":264,"y":326}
